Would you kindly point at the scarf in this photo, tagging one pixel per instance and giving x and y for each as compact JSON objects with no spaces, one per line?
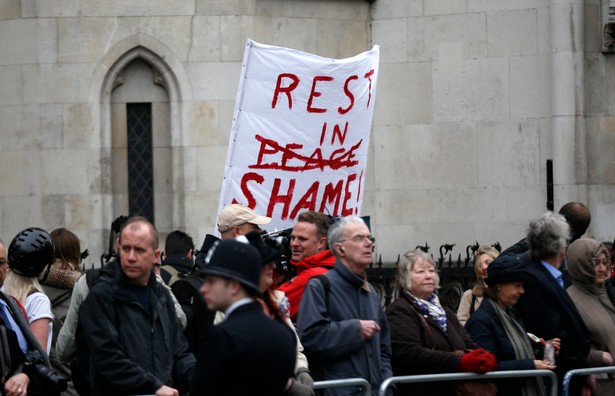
{"x":521,"y":345}
{"x":583,"y":273}
{"x":591,"y":300}
{"x":61,"y":278}
{"x":432,"y":308}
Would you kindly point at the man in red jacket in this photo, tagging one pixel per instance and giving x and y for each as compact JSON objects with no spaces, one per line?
{"x":310,"y":255}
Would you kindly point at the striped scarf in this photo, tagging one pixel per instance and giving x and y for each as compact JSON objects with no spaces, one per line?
{"x":523,"y":350}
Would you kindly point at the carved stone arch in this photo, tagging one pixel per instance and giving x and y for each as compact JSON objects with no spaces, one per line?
{"x":169,"y":73}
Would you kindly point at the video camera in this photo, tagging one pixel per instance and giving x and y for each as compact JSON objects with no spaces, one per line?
{"x":281,"y":240}
{"x":116,"y":226}
{"x":53,"y":382}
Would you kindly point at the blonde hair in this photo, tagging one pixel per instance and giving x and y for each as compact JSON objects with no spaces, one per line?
{"x":483,"y":249}
{"x":20,"y":286}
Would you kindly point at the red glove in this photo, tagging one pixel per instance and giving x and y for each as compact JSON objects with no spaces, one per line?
{"x":477,"y":361}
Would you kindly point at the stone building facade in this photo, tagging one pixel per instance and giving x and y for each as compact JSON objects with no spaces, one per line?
{"x":474,"y":96}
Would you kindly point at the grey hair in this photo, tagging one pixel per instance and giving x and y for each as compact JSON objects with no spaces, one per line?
{"x":337,"y":229}
{"x":548,"y":235}
{"x":406,"y":265}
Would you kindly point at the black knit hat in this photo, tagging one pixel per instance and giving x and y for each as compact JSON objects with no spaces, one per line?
{"x":508,"y":269}
{"x":235,"y":260}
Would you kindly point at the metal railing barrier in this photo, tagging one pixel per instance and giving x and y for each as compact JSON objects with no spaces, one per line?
{"x":470,"y":376}
{"x":361,"y":382}
{"x":588,"y":371}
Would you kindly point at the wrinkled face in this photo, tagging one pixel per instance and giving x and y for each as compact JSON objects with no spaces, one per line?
{"x":304,"y":241}
{"x":267,"y":271}
{"x":424,"y":279}
{"x":137,"y":253}
{"x":483,"y":263}
{"x":4,"y":264}
{"x":509,"y":293}
{"x":356,"y":245}
{"x":601,"y":265}
{"x":217,"y":293}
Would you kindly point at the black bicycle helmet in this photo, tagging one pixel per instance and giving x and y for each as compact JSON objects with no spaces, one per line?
{"x":30,"y":252}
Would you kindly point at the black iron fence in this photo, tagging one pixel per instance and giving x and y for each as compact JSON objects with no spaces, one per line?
{"x":456,"y":274}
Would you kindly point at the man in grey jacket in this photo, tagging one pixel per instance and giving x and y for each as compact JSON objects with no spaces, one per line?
{"x":341,"y":323}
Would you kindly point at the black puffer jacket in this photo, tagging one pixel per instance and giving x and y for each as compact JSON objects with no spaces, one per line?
{"x":132,"y":350}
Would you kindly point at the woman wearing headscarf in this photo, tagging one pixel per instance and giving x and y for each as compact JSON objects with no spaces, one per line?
{"x":427,"y":338}
{"x":589,"y":268}
{"x":495,"y":327}
{"x":472,"y":298}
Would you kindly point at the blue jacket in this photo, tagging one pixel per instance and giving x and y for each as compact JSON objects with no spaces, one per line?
{"x":15,"y":352}
{"x":328,"y":326}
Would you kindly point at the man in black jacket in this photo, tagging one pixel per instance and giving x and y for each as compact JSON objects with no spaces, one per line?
{"x":130,"y":326}
{"x":546,"y":308}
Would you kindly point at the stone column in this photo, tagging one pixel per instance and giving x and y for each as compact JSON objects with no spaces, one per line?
{"x":568,"y":101}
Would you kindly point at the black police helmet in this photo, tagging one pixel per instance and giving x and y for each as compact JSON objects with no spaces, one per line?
{"x":30,"y":252}
{"x":235,"y":260}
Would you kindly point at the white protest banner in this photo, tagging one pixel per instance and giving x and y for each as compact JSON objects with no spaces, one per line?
{"x":300,"y":133}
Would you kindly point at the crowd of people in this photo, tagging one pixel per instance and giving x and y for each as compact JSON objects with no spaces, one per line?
{"x":248,"y":315}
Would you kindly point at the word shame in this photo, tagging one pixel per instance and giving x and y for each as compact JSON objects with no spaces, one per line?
{"x":337,"y":197}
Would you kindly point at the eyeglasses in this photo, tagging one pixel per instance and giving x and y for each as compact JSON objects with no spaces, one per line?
{"x":361,"y":239}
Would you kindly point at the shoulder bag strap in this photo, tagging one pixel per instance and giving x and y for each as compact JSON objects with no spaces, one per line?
{"x":472,"y":304}
{"x":430,"y":338}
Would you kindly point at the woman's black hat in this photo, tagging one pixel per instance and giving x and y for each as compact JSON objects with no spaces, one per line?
{"x":509,"y":268}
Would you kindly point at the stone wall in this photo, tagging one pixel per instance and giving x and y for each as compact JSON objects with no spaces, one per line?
{"x":473,"y":97}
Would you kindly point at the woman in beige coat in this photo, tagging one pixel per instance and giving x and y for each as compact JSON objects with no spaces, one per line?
{"x":589,"y":268}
